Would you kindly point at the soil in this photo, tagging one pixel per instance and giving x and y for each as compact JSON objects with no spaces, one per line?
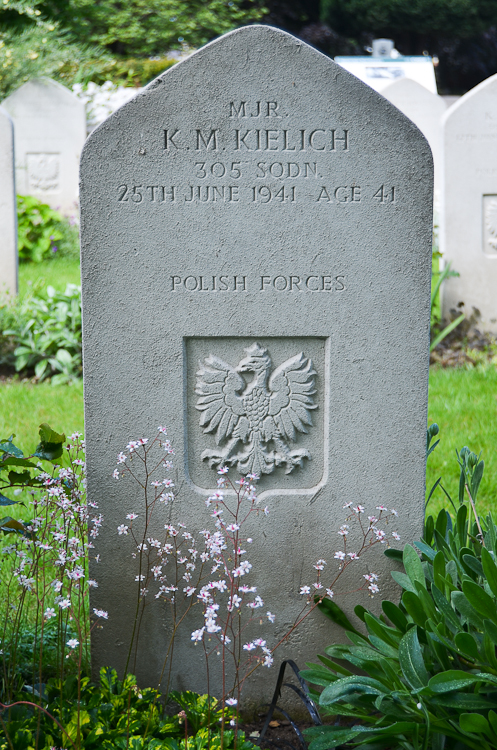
{"x":466,"y":345}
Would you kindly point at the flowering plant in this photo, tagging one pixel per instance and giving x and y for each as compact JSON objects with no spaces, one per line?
{"x":209,"y":569}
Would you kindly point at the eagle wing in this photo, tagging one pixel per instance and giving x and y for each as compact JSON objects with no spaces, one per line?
{"x":292,"y":388}
{"x":218,"y":386}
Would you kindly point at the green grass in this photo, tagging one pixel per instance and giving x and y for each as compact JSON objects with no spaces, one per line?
{"x":462,"y":401}
{"x":57,"y":271}
{"x":24,"y":406}
{"x":464,"y":405}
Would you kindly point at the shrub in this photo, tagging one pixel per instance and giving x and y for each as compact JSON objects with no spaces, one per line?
{"x":429,"y":661}
{"x":47,"y":335}
{"x":42,"y":231}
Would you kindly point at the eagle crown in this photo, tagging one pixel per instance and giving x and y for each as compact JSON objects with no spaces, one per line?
{"x":258,"y":361}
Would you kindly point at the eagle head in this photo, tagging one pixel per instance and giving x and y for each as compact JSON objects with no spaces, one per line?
{"x":257,"y":360}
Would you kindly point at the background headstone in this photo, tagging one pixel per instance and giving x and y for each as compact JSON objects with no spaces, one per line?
{"x":50,"y":128}
{"x":425,"y":109}
{"x":8,"y":212}
{"x":280,"y":202}
{"x":468,"y":222}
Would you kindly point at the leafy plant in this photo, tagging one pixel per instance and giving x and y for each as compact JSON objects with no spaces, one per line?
{"x":42,"y":231}
{"x":439,"y":332}
{"x":115,"y":714}
{"x":48,"y":336}
{"x":429,"y":661}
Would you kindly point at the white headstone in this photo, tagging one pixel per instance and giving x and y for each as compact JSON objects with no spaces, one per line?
{"x":425,"y":109}
{"x":251,"y":215}
{"x":380,"y":72}
{"x":8,"y":209}
{"x":50,"y":129}
{"x":468,"y":222}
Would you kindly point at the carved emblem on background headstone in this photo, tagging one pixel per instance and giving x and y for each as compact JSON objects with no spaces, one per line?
{"x":490,"y":217}
{"x":43,"y":171}
{"x":250,"y":414}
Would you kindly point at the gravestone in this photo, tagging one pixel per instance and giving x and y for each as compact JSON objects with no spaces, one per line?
{"x":279,"y":210}
{"x":50,"y":129}
{"x":8,"y":213}
{"x":468,"y":222}
{"x":426,"y":110}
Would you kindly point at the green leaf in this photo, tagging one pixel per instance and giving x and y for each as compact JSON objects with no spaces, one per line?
{"x":473,"y":723}
{"x":393,"y":554}
{"x":14,"y":461}
{"x":40,"y":367}
{"x":413,"y":566}
{"x":467,"y":644}
{"x":452,"y":679}
{"x":472,"y":562}
{"x":492,"y":718}
{"x":413,"y":605}
{"x":395,"y":615}
{"x":403,"y":580}
{"x":428,"y":551}
{"x":5,"y":500}
{"x":411,"y":660}
{"x":334,"y":666}
{"x":463,"y":606}
{"x":326,"y":737}
{"x":48,"y":435}
{"x":491,"y":630}
{"x":333,"y":611}
{"x":348,"y":685}
{"x":480,"y":600}
{"x":489,"y":569}
{"x":7,"y":446}
{"x":462,"y":701}
{"x":9,"y":525}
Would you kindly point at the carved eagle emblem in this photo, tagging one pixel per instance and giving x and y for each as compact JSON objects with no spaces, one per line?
{"x":256,"y":419}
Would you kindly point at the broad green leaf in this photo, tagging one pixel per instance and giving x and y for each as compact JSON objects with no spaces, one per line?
{"x":349,"y":685}
{"x":14,"y":461}
{"x":393,"y":554}
{"x":334,"y":666}
{"x":429,"y":529}
{"x":47,"y":435}
{"x":5,"y":500}
{"x":490,"y":570}
{"x":403,"y":580}
{"x":473,"y":723}
{"x":9,"y":524}
{"x":461,"y":518}
{"x":333,"y":611}
{"x":429,"y":552}
{"x":453,"y":679}
{"x":7,"y":446}
{"x":384,"y":632}
{"x":476,"y":479}
{"x":462,"y":701}
{"x":445,"y":609}
{"x":480,"y":600}
{"x":472,"y":562}
{"x":326,"y":737}
{"x":492,"y":719}
{"x":463,"y":606}
{"x":467,"y":644}
{"x":413,"y":566}
{"x":491,"y":630}
{"x":395,"y":615}
{"x":318,"y":676}
{"x":413,"y":605}
{"x":411,"y":660}
{"x":41,"y":367}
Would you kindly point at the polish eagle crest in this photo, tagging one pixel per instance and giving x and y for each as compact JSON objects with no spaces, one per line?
{"x":255,"y":420}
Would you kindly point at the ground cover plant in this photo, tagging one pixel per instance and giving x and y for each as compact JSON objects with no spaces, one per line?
{"x":46,"y":697}
{"x":428,"y":669}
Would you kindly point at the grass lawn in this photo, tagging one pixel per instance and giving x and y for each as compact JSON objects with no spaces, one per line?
{"x":462,"y":402}
{"x":57,"y":271}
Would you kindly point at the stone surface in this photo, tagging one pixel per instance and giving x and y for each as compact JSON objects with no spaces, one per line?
{"x":50,"y":129}
{"x":425,"y":109}
{"x":280,"y":203}
{"x":8,"y":213}
{"x":468,"y":222}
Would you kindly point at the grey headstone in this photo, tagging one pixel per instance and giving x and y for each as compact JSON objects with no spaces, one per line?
{"x":8,"y":211}
{"x":50,"y":128}
{"x":256,"y":193}
{"x":468,"y":222}
{"x":426,"y":110}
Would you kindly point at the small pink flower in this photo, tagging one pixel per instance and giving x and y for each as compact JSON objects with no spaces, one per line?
{"x":305,"y":590}
{"x":231,"y":701}
{"x":270,"y":616}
